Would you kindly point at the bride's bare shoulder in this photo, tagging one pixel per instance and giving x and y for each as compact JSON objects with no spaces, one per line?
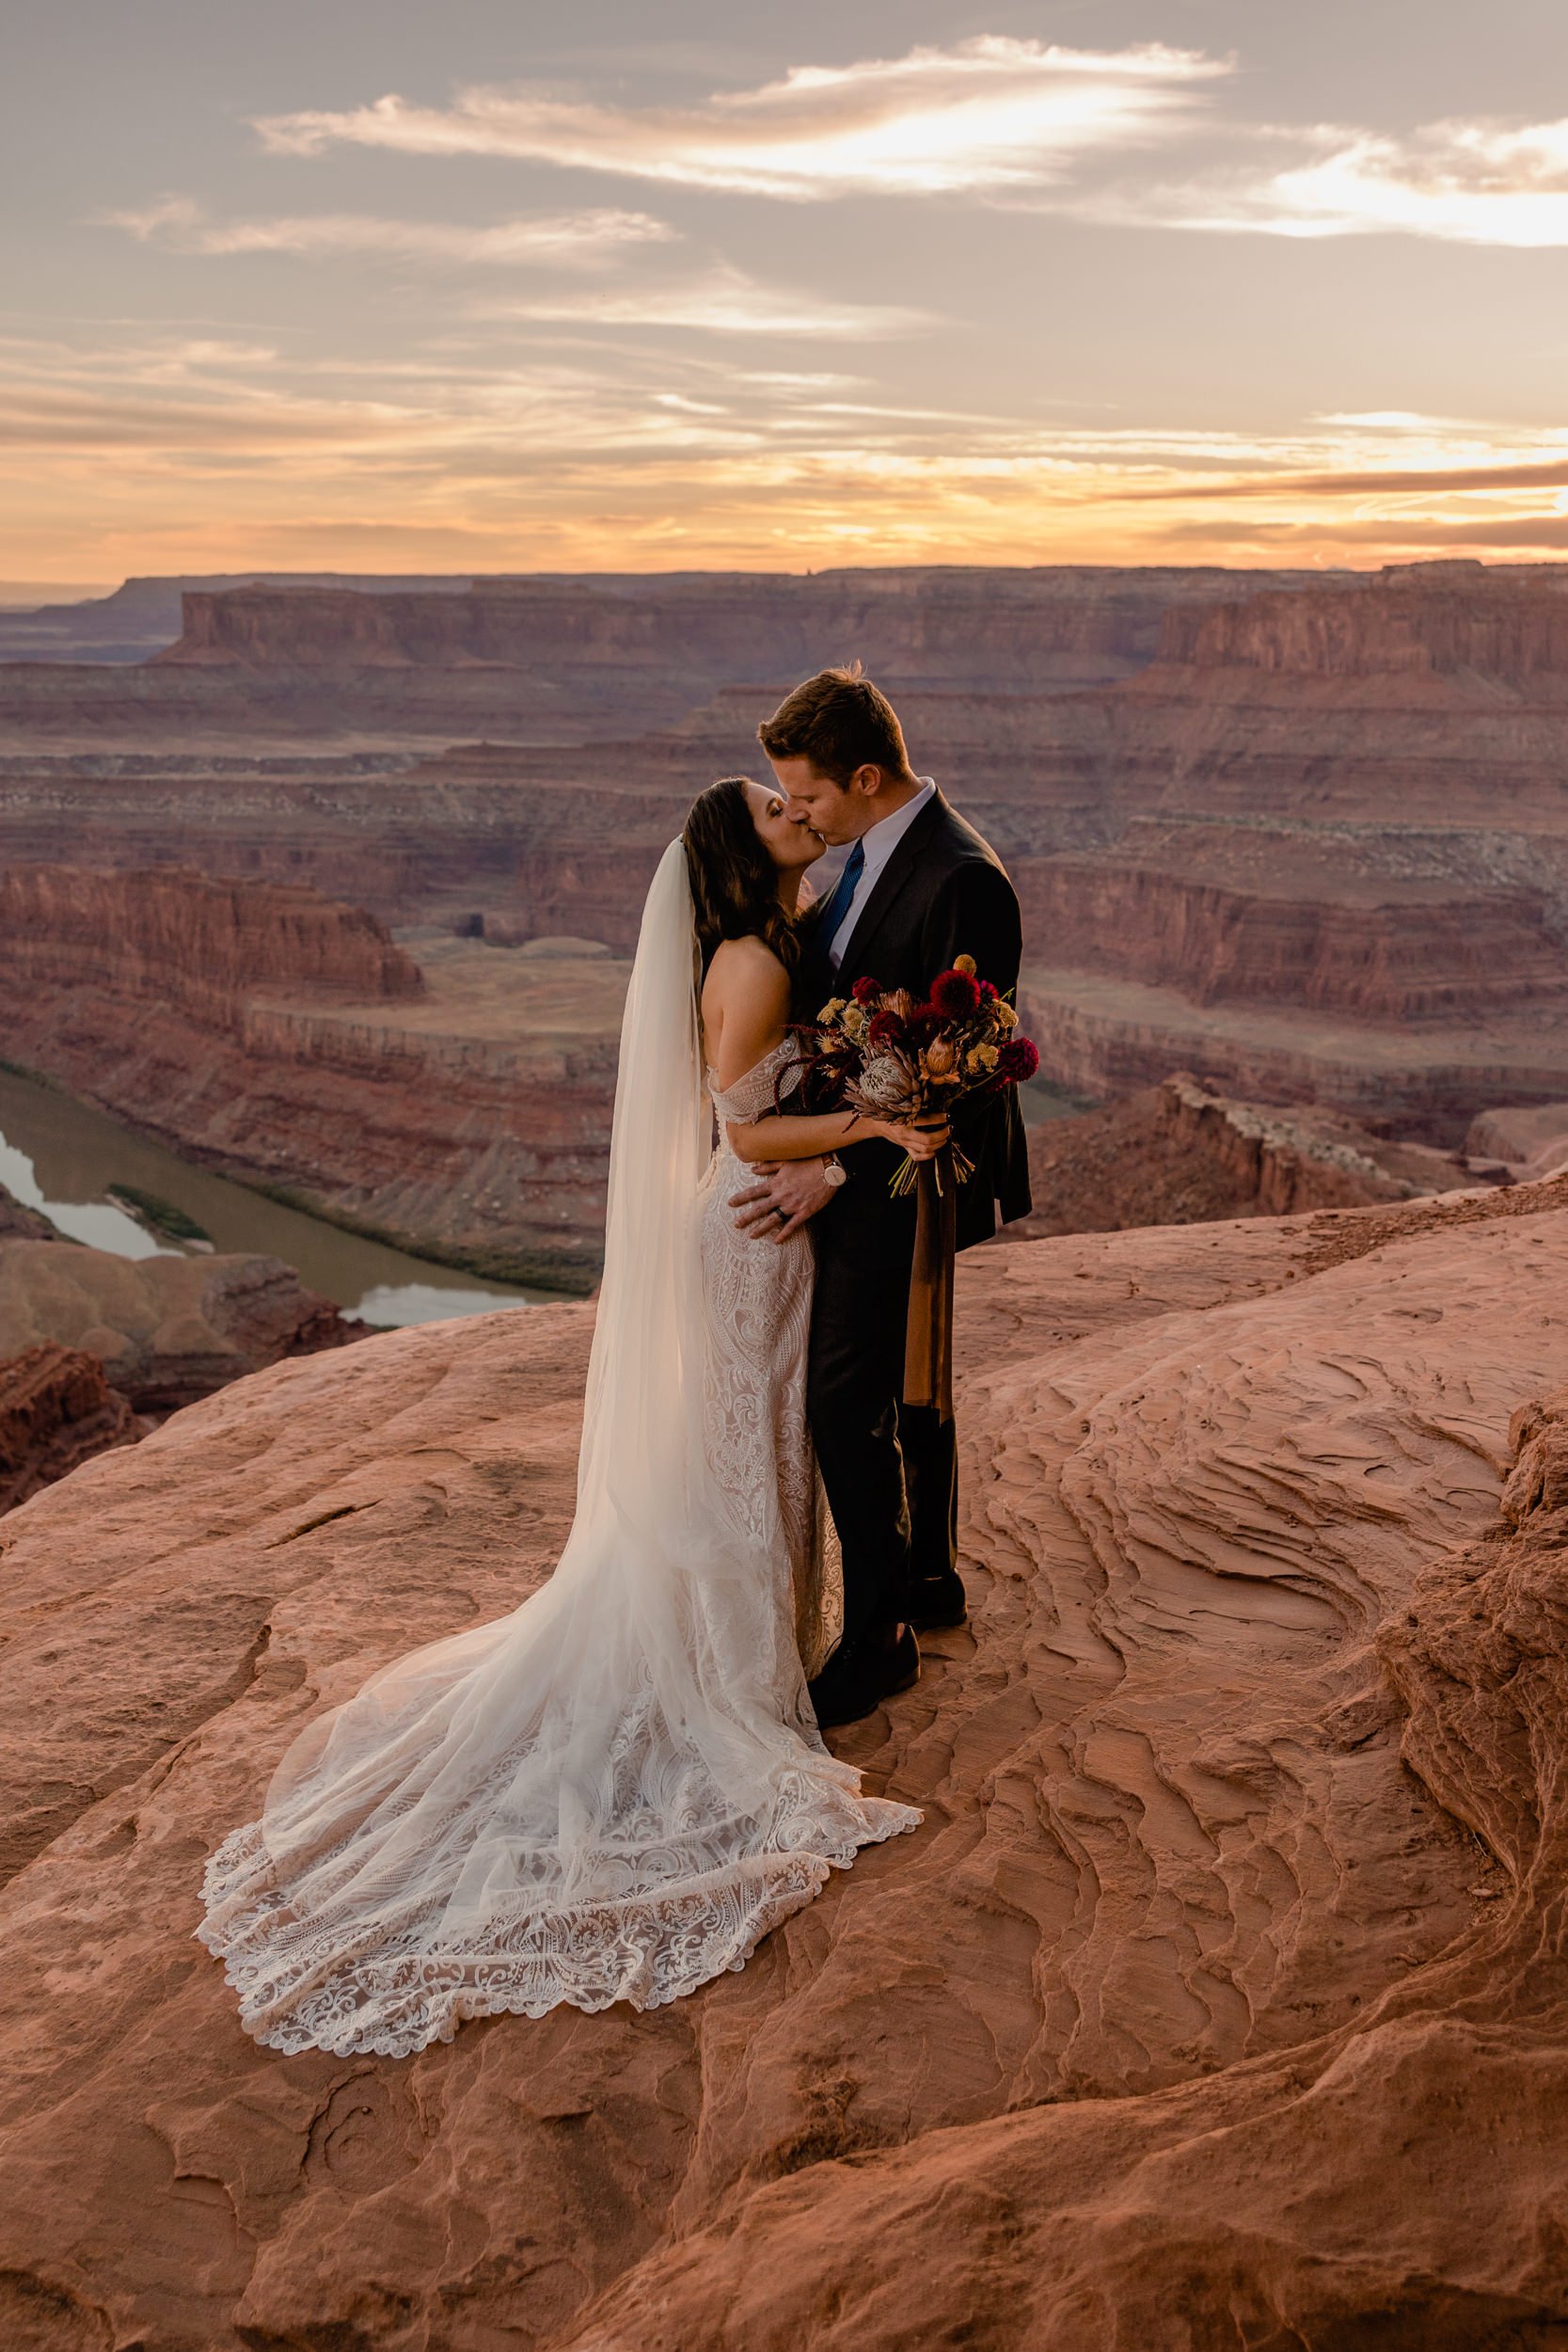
{"x":746,"y":971}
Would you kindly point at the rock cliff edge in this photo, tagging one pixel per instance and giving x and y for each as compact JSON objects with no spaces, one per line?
{"x":1220,"y":2000}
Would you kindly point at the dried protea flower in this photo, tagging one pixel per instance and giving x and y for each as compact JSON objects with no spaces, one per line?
{"x":939,"y":1057}
{"x":888,"y":1087}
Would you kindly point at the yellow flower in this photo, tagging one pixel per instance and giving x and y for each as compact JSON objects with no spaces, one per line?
{"x":833,"y":1007}
{"x":963,"y":964}
{"x":855,"y":1020}
{"x":1005,"y":1014}
{"x":982,"y":1057}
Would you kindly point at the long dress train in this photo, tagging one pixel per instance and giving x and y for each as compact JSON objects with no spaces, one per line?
{"x":615,"y":1793}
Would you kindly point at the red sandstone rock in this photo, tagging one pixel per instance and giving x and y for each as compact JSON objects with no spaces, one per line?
{"x":57,"y":1410}
{"x":1219,"y":1999}
{"x":1181,"y":1155}
{"x":164,"y":1331}
{"x":1316,"y":849}
{"x":278,"y":1036}
{"x":1532,"y":1142}
{"x":176,"y":936}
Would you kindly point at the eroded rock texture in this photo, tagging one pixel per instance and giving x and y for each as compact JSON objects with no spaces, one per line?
{"x":56,"y":1412}
{"x":1303,"y":835}
{"x":1182,"y":1154}
{"x":462,"y":1105}
{"x":1218,"y":2002}
{"x":166,"y":1329}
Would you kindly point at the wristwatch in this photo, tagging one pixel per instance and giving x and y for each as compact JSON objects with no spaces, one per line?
{"x":833,"y":1169}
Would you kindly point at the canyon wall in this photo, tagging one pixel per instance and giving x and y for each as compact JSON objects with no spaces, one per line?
{"x":1308,"y":838}
{"x":1182,"y":1155}
{"x":143,"y":615}
{"x":1382,"y":948}
{"x":559,"y":660}
{"x":1422,"y":622}
{"x":1218,"y":1999}
{"x":182,"y":937}
{"x":972,"y":624}
{"x":460,"y":1109}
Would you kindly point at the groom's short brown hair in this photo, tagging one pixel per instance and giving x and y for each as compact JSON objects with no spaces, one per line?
{"x":839,"y":722}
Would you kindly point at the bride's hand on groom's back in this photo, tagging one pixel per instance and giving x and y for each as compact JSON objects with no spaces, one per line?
{"x":784,"y":1196}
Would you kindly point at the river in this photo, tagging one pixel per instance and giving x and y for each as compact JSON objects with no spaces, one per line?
{"x":60,"y":1155}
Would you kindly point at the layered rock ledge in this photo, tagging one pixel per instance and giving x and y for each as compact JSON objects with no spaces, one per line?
{"x":1219,"y":2001}
{"x":1181,"y":1153}
{"x":457,"y":1105}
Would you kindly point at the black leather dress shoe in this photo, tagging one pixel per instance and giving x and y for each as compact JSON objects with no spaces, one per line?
{"x":856,"y":1679}
{"x":937,"y":1601}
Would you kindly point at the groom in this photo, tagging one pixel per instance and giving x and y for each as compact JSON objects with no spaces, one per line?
{"x":919,"y":888}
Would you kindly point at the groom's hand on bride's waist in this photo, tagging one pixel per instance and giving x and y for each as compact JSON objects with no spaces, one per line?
{"x":785,"y":1194}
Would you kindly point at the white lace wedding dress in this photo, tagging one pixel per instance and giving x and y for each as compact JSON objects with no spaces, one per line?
{"x":613,"y":1793}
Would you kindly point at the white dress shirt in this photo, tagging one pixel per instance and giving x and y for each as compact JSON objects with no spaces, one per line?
{"x":878,"y":842}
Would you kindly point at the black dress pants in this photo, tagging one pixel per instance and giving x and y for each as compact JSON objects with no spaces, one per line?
{"x":890,"y":1469}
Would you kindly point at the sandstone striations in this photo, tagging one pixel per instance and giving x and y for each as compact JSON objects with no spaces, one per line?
{"x":461,"y":1107}
{"x":1306,"y":837}
{"x":57,"y":1410}
{"x":553,"y":659}
{"x":1181,"y":1155}
{"x":180,"y":937}
{"x":1219,"y":2000}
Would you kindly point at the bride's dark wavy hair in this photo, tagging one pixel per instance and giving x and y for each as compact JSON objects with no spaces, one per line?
{"x":734,"y":884}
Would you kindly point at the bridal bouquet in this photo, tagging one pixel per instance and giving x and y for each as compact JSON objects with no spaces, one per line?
{"x":881,"y":1052}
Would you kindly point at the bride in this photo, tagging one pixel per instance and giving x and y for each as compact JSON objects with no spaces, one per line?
{"x":615,"y":1793}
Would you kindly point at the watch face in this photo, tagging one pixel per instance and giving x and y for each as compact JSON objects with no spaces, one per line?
{"x":834,"y":1175}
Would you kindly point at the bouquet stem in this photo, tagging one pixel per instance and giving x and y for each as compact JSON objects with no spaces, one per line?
{"x":928,"y":1343}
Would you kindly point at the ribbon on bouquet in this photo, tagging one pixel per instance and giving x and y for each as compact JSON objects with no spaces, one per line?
{"x":928,"y":1341}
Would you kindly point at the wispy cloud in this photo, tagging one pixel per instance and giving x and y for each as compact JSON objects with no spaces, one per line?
{"x":1462,"y":183}
{"x":567,"y":239}
{"x":986,"y":114}
{"x":583,"y":446}
{"x":722,"y":301}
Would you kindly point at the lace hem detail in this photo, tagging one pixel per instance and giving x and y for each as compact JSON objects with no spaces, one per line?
{"x":299,"y":1990}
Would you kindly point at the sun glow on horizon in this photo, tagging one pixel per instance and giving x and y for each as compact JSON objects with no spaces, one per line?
{"x":706,"y":369}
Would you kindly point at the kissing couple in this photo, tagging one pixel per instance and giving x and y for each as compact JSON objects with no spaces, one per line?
{"x":616,"y":1792}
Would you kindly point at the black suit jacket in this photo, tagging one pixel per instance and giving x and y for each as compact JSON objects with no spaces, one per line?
{"x":943,"y":893}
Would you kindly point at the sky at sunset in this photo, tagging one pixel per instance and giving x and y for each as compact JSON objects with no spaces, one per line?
{"x":374,"y":285}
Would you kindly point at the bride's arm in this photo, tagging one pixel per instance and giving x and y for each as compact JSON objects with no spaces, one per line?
{"x":802,"y":1136}
{"x":746,"y":1001}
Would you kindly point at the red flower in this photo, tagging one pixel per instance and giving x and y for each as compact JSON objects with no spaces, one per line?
{"x":885,"y":1028}
{"x":988,"y":994}
{"x":865,"y":991}
{"x":1017,"y":1060}
{"x":955,"y":995}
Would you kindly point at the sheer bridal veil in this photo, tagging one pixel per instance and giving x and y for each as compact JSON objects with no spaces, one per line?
{"x":613,"y":1792}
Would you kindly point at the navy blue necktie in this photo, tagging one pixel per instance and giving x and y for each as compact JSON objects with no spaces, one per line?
{"x":838,"y":905}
